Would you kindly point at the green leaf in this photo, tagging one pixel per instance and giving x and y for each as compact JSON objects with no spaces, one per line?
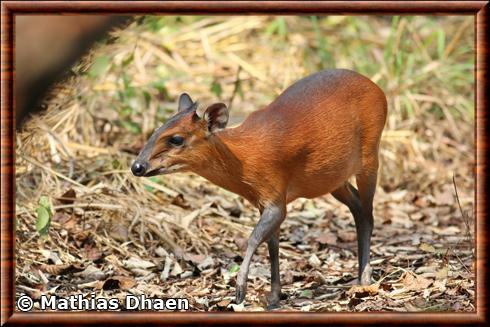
{"x":278,"y":26}
{"x":389,"y":47}
{"x":271,"y":29}
{"x":116,"y":164}
{"x":325,"y":56}
{"x":99,"y":66}
{"x":239,"y":89}
{"x":154,"y":23}
{"x":126,"y":111}
{"x":131,"y":126}
{"x":44,"y":201}
{"x":216,"y":89}
{"x":147,"y":97}
{"x":128,"y":60}
{"x":126,"y":81}
{"x":43,"y":220}
{"x":234,"y":268}
{"x":128,"y":91}
{"x":282,"y":28}
{"x":155,"y":179}
{"x":161,"y":88}
{"x":441,"y":43}
{"x":306,"y":294}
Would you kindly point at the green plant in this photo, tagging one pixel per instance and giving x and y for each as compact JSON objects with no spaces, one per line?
{"x":44,"y":214}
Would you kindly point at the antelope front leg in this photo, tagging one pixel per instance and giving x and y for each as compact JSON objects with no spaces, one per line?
{"x":270,"y":220}
{"x":275,"y":296}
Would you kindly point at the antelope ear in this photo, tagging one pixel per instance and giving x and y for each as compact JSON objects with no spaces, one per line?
{"x":185,"y":102}
{"x":216,"y":115}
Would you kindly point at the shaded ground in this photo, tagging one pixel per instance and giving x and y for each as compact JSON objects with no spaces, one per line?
{"x":180,"y":236}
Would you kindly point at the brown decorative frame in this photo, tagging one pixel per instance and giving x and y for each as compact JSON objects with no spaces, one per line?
{"x":11,"y":8}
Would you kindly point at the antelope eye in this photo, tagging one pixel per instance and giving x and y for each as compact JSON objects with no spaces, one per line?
{"x":176,"y":140}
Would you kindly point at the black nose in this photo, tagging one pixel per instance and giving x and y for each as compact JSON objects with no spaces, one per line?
{"x":138,"y":169}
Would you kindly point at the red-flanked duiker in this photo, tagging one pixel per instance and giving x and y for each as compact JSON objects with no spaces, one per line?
{"x":308,"y":142}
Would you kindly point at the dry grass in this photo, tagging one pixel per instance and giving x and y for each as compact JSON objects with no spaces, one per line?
{"x":180,"y":236}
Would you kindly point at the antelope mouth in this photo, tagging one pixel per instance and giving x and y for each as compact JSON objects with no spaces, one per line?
{"x":164,"y":170}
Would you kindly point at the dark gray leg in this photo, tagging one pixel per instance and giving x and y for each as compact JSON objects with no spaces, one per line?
{"x":348,"y":195}
{"x":366,"y":182}
{"x":275,"y":296}
{"x":269,"y":222}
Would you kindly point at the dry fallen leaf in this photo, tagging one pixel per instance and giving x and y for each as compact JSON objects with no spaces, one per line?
{"x":223,"y":303}
{"x":415,"y":282}
{"x":327,"y":238}
{"x":442,"y":273}
{"x":314,"y":261}
{"x":361,"y":291}
{"x":196,"y":259}
{"x":53,"y":257}
{"x":431,"y":249}
{"x":237,"y":307}
{"x":176,"y":270}
{"x":445,"y":198}
{"x":91,"y":252}
{"x":440,"y":285}
{"x":241,"y":243}
{"x":119,"y":232}
{"x":57,"y":269}
{"x":347,"y":236}
{"x":180,"y":201}
{"x":61,"y":217}
{"x":68,"y":197}
{"x":206,"y":263}
{"x":166,"y":268}
{"x":427,"y":247}
{"x":137,"y":263}
{"x":91,"y":273}
{"x":118,"y":282}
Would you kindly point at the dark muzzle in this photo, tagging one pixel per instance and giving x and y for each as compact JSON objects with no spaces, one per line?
{"x":138,"y":168}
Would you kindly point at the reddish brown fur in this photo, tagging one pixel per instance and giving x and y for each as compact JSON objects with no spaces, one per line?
{"x":319,"y":132}
{"x":308,"y":142}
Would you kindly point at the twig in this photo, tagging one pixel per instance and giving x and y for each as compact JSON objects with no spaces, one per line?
{"x":465,"y":217}
{"x":87,"y":205}
{"x":159,"y":187}
{"x":461,"y":262}
{"x":235,"y":88}
{"x":456,"y":38}
{"x":136,"y":217}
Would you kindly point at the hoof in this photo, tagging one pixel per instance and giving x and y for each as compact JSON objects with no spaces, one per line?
{"x":273,"y":306}
{"x":365,"y":278}
{"x":241,"y":290}
{"x":274,"y":300}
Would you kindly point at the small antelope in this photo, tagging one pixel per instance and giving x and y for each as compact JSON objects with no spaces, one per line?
{"x":308,"y":142}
